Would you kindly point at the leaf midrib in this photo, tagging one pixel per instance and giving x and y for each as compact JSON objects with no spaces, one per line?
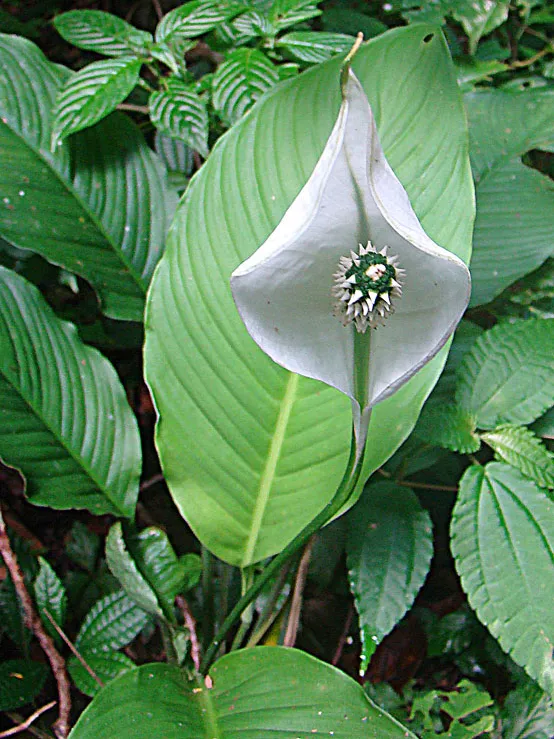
{"x":119,"y":253}
{"x":78,"y":460}
{"x":269,"y":471}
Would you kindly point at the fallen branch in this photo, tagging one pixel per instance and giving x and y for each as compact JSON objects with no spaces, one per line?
{"x":33,"y":622}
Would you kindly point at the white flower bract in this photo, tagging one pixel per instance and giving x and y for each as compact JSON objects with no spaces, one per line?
{"x":286,"y":292}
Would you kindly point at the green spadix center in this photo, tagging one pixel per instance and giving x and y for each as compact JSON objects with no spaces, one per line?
{"x":373,"y":274}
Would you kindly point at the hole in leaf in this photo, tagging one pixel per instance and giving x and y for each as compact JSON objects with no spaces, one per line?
{"x":428,"y":38}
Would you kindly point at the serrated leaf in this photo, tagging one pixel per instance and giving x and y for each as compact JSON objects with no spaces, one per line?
{"x":189,"y":20}
{"x":21,"y":680}
{"x":92,"y":93}
{"x":50,"y":595}
{"x":528,"y":713}
{"x":388,"y":548}
{"x":518,"y":446}
{"x":66,"y":421}
{"x":106,"y":667}
{"x":503,"y":544}
{"x":263,"y":693}
{"x":100,"y":206}
{"x":507,"y":376}
{"x":449,"y":426}
{"x":112,"y":623}
{"x":252,"y":461}
{"x":105,"y":33}
{"x":515,"y":204}
{"x":181,"y":113}
{"x":240,"y":81}
{"x":314,"y":46}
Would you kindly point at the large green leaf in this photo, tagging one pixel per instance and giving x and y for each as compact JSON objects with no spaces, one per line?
{"x":92,"y":93}
{"x":257,"y":694}
{"x":389,"y":548}
{"x":507,"y":376}
{"x":315,"y":46}
{"x":95,"y":30}
{"x":515,"y":213}
{"x":251,"y":453}
{"x":503,"y":544}
{"x":66,"y":423}
{"x":99,"y":206}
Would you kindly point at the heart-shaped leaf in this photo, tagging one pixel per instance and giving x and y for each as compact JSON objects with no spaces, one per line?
{"x":266,"y":692}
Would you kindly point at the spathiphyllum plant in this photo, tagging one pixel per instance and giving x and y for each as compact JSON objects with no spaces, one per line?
{"x":349,"y":289}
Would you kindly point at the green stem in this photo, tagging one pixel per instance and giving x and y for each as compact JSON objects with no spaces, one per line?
{"x":344,"y":490}
{"x":208,"y":609}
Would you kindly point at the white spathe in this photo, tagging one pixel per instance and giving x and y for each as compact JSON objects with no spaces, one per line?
{"x":284,"y":291}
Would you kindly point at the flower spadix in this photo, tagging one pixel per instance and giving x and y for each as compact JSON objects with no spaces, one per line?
{"x":349,"y":289}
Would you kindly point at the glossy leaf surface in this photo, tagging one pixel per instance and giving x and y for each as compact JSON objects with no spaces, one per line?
{"x":257,"y":693}
{"x":251,"y":453}
{"x":507,"y":376}
{"x":96,"y":30}
{"x":92,"y":93}
{"x":240,"y":81}
{"x":515,"y":214}
{"x":66,"y":421}
{"x":503,"y":545}
{"x":388,"y":548}
{"x":181,"y":113}
{"x":518,"y":446}
{"x":99,"y":206}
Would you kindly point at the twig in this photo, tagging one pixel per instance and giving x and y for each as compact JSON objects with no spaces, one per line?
{"x":158,"y":9}
{"x":73,"y":648}
{"x":296,"y":604}
{"x":33,"y":622}
{"x":343,"y":636}
{"x":190,"y":623}
{"x":419,"y":485}
{"x":151,"y":481}
{"x":134,"y":108}
{"x":17,"y":718}
{"x":28,"y":721}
